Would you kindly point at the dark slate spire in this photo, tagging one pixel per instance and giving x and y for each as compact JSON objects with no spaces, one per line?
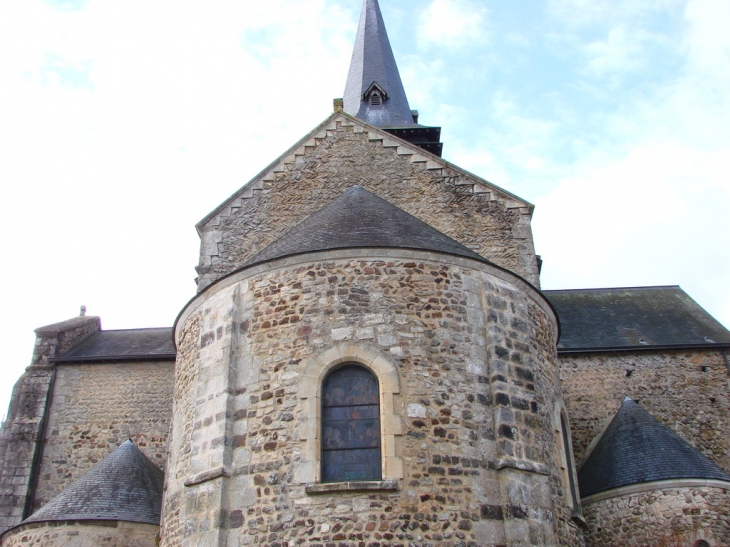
{"x":358,"y":218}
{"x":124,"y":486}
{"x":374,"y":92}
{"x":636,"y":448}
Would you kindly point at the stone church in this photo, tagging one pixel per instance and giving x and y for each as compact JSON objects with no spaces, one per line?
{"x":369,"y":361}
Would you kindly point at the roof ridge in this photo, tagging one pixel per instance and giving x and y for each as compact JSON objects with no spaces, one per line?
{"x":615,"y":288}
{"x":622,"y":318}
{"x":480,"y":185}
{"x":132,"y":329}
{"x":448,"y":173}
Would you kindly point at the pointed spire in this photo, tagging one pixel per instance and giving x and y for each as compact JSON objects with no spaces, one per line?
{"x":374,"y":91}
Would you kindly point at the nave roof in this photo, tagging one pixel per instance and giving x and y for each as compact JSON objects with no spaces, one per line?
{"x":628,"y":318}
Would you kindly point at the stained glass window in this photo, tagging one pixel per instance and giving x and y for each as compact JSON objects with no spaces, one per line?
{"x":350,"y":425}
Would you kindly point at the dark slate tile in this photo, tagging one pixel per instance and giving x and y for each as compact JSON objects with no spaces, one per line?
{"x":636,"y":448}
{"x":373,"y":62}
{"x":123,"y":344}
{"x":359,"y":218}
{"x":124,"y":486}
{"x":637,"y":317}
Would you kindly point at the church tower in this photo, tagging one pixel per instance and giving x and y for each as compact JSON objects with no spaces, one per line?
{"x":368,"y":360}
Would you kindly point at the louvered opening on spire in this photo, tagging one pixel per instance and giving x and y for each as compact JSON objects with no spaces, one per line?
{"x":375,"y":95}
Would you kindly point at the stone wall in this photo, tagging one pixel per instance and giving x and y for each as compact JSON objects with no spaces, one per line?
{"x":21,"y":432}
{"x":687,"y":390}
{"x":474,"y":449}
{"x":181,"y":429}
{"x":82,"y":534}
{"x":94,"y":409}
{"x":670,"y":517}
{"x":488,"y":220}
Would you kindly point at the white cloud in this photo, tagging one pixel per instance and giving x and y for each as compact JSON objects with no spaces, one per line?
{"x":708,"y":42}
{"x":581,"y":13}
{"x":653,"y":216}
{"x":623,"y":50}
{"x":653,"y":211}
{"x":632,"y":187}
{"x":616,"y":37}
{"x":453,"y":24}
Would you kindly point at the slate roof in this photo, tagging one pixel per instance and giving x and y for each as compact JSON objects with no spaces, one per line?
{"x":636,"y":448}
{"x":358,"y":218}
{"x":124,"y":486}
{"x":116,"y":345}
{"x":373,"y":62}
{"x":633,"y":318}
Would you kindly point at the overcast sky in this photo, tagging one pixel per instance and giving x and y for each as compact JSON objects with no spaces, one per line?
{"x":123,"y":123}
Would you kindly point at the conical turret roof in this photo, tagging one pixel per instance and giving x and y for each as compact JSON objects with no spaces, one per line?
{"x":373,"y":63}
{"x":124,"y":486}
{"x":636,"y":448}
{"x":358,"y":218}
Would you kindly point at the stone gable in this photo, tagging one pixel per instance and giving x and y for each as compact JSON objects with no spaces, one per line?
{"x":344,"y":152}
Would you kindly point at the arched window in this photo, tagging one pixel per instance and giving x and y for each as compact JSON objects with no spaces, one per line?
{"x":701,"y":543}
{"x":375,"y":99}
{"x":350,"y":425}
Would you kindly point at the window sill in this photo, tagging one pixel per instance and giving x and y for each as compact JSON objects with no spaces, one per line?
{"x":579,"y":520}
{"x":354,"y":486}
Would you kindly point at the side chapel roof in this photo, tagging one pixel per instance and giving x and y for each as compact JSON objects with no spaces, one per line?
{"x":358,"y":218}
{"x":122,"y":345}
{"x":633,"y":318}
{"x":124,"y":486}
{"x":636,"y":448}
{"x":373,"y":63}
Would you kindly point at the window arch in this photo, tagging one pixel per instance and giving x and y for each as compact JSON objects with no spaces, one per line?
{"x":351,"y":434}
{"x":701,"y":543}
{"x":316,"y":370}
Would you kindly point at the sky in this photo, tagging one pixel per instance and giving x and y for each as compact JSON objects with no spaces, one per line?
{"x":123,"y":123}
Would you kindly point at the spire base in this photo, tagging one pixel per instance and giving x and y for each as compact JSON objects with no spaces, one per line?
{"x":427,"y":138}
